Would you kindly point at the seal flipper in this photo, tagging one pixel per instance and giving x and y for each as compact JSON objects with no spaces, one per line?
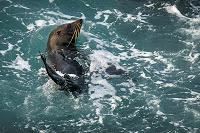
{"x":73,"y":87}
{"x":66,"y":83}
{"x":51,"y":72}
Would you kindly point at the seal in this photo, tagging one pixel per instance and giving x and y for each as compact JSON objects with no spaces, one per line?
{"x":61,"y":57}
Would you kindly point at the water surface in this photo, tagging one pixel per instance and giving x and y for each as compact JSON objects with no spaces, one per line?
{"x":156,"y":42}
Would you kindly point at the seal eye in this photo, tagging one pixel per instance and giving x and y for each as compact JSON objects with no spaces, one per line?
{"x":58,"y":32}
{"x":69,"y":26}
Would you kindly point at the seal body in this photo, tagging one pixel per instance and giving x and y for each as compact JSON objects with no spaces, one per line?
{"x":61,"y":48}
{"x":61,"y":57}
{"x":65,"y":62}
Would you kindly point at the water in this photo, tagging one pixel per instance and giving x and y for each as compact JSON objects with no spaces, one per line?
{"x":156,"y":42}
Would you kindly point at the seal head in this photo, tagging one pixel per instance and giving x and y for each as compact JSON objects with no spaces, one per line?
{"x":61,"y":48}
{"x":64,"y":36}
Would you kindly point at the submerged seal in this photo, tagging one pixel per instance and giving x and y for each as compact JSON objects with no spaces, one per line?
{"x":61,"y":56}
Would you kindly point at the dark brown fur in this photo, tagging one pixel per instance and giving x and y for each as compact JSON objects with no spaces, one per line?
{"x":61,"y":56}
{"x":62,"y":50}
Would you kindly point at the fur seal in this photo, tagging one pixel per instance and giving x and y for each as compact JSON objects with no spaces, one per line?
{"x":61,"y":56}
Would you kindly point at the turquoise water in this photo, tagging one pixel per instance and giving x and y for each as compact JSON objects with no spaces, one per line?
{"x":155,"y":42}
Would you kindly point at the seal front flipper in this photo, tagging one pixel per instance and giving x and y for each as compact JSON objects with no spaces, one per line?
{"x":71,"y":85}
{"x":65,"y":82}
{"x":51,"y":72}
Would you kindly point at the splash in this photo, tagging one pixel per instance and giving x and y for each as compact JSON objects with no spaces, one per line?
{"x":172,"y":9}
{"x":19,"y":64}
{"x":10,"y":47}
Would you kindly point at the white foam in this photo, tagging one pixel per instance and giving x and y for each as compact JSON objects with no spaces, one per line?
{"x":141,"y":18}
{"x":154,"y":104}
{"x":150,"y":5}
{"x":172,"y":9}
{"x":83,"y":16}
{"x":118,"y":15}
{"x":169,"y":85}
{"x":100,"y":87}
{"x":118,"y":46}
{"x":49,"y":19}
{"x":100,"y":43}
{"x":42,"y":71}
{"x":193,"y":57}
{"x":176,"y":124}
{"x":27,"y":100}
{"x":37,"y":24}
{"x":100,"y":13}
{"x":40,"y":23}
{"x":105,"y":14}
{"x":152,"y":58}
{"x":142,"y":55}
{"x":159,"y":113}
{"x":20,"y":6}
{"x":42,"y":131}
{"x":30,"y":27}
{"x":20,"y":64}
{"x":104,"y":21}
{"x":159,"y":82}
{"x":130,"y":17}
{"x":100,"y":60}
{"x":10,"y":47}
{"x":48,"y":89}
{"x":60,"y":14}
{"x":86,"y":121}
{"x":193,"y":30}
{"x":51,"y":1}
{"x":144,"y":76}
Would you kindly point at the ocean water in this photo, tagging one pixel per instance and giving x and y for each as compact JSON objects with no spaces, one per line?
{"x":155,"y":41}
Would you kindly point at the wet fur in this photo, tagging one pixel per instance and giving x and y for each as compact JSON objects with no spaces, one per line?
{"x":61,"y":56}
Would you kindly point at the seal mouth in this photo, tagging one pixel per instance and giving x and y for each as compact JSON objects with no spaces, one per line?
{"x":77,"y":29}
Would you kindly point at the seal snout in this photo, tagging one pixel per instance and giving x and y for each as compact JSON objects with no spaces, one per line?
{"x":75,"y":26}
{"x":79,"y":21}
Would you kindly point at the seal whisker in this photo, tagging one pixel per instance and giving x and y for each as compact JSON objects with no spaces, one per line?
{"x":77,"y":31}
{"x":78,"y":28}
{"x":72,"y":38}
{"x":76,"y":34}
